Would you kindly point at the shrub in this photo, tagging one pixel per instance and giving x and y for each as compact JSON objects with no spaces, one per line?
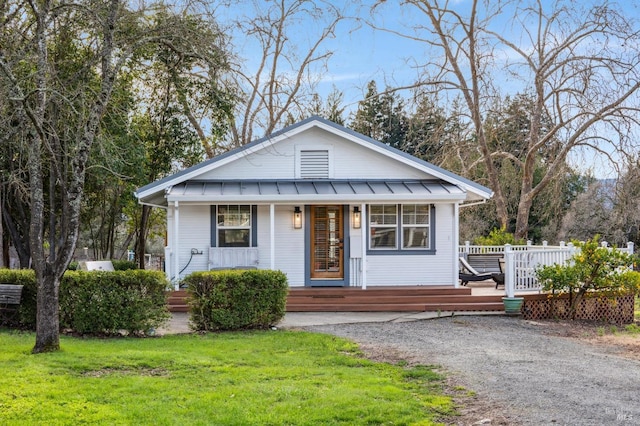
{"x":124,"y":265}
{"x":106,"y":302}
{"x":99,"y":302}
{"x":499,"y":237}
{"x":232,"y":300}
{"x":591,"y":268}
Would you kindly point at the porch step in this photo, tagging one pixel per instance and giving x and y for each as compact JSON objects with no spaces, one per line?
{"x":390,"y":299}
{"x":380,"y":299}
{"x":373,"y":307}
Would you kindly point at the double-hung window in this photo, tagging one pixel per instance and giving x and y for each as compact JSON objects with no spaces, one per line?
{"x":415,"y":226}
{"x":234,"y":225}
{"x":400,"y":227}
{"x":383,"y":226}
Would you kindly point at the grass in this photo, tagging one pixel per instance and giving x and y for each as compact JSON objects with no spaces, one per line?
{"x":267,"y":378}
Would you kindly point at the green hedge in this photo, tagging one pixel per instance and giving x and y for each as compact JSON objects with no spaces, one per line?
{"x":118,"y":265}
{"x":238,"y":299}
{"x":99,"y":302}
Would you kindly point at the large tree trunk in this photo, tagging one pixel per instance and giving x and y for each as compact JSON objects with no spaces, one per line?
{"x":48,"y":317}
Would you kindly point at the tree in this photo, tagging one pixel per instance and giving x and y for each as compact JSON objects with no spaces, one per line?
{"x":429,"y":131}
{"x":59,"y":64}
{"x":381,"y":116}
{"x":581,"y":64}
{"x":290,"y":36}
{"x":332,"y":110}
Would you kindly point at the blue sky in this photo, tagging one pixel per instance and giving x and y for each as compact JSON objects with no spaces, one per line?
{"x":362,"y":54}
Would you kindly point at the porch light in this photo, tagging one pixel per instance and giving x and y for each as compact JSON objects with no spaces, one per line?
{"x":297,"y":218}
{"x":356,"y":217}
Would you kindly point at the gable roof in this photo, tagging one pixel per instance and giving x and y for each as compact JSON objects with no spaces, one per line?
{"x":154,"y":193}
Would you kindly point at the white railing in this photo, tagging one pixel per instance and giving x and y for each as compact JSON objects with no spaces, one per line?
{"x":521,"y":262}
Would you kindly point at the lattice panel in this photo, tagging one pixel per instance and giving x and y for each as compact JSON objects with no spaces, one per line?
{"x":615,"y":310}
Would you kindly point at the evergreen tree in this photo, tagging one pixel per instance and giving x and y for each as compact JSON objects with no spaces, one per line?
{"x":381,"y":117}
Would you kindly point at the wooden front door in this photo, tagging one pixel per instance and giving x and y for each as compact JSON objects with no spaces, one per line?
{"x":327,"y":242}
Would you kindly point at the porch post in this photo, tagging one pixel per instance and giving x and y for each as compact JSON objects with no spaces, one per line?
{"x":510,"y":271}
{"x":176,"y":246}
{"x":364,"y":228}
{"x":272,"y":235}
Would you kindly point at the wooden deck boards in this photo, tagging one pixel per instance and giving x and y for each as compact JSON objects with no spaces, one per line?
{"x":376,"y":299}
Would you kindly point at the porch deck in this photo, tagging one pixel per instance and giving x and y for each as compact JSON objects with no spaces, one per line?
{"x":478,"y":296}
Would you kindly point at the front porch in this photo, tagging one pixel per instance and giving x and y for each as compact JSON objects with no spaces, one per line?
{"x":478,"y":296}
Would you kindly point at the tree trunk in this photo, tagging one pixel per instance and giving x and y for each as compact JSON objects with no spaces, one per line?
{"x":48,"y":317}
{"x":141,"y":244}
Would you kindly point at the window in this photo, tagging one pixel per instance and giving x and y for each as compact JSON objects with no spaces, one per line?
{"x":415,"y":226}
{"x":383,"y":225}
{"x":400,"y":227}
{"x":234,"y":226}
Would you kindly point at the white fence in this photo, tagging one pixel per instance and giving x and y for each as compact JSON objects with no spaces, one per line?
{"x":521,"y":262}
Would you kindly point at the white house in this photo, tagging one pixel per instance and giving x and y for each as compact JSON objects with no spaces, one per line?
{"x":322,"y":203}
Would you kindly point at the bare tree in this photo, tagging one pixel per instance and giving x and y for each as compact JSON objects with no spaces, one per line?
{"x":580,"y":64}
{"x":291,"y":36}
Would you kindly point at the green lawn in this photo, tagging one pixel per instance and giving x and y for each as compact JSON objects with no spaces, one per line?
{"x":266,"y":378}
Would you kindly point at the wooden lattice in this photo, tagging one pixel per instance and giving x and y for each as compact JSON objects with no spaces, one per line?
{"x":614,"y":310}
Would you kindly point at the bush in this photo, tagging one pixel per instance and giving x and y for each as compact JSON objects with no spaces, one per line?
{"x":233,"y":300}
{"x":498,"y":237}
{"x":124,"y":265}
{"x":99,"y":302}
{"x":592,"y":268}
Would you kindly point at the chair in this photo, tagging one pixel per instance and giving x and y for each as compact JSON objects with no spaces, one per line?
{"x":471,"y":274}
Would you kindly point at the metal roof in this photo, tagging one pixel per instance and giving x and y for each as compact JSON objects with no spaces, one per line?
{"x":314,"y":190}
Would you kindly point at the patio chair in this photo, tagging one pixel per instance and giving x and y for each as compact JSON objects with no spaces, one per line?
{"x":468,"y":273}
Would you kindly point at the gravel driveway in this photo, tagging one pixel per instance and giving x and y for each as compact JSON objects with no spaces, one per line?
{"x":522,"y":371}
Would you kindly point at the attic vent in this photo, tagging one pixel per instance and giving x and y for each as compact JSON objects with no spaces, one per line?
{"x":314,"y":164}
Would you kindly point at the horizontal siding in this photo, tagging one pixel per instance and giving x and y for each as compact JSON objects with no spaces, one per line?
{"x":195,"y":231}
{"x":289,"y":243}
{"x":278,"y":161}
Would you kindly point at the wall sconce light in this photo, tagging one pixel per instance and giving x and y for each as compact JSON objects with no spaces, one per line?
{"x":297,"y":218}
{"x":356,"y":217}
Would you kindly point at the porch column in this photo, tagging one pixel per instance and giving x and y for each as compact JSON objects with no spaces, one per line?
{"x":176,"y":246}
{"x":363,"y":231}
{"x":272,"y":235}
{"x":456,"y":243}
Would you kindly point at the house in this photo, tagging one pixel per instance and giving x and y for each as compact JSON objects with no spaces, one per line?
{"x":320,"y":202}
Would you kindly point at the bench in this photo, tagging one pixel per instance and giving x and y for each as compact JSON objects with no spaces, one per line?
{"x":488,"y":263}
{"x":10,"y":296}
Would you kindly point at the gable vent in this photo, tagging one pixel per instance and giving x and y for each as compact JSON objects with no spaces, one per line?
{"x":314,"y":164}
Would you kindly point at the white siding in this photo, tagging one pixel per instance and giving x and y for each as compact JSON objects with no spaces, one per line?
{"x":194,"y":233}
{"x":289,"y":243}
{"x":418,"y":270}
{"x":279,"y":161}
